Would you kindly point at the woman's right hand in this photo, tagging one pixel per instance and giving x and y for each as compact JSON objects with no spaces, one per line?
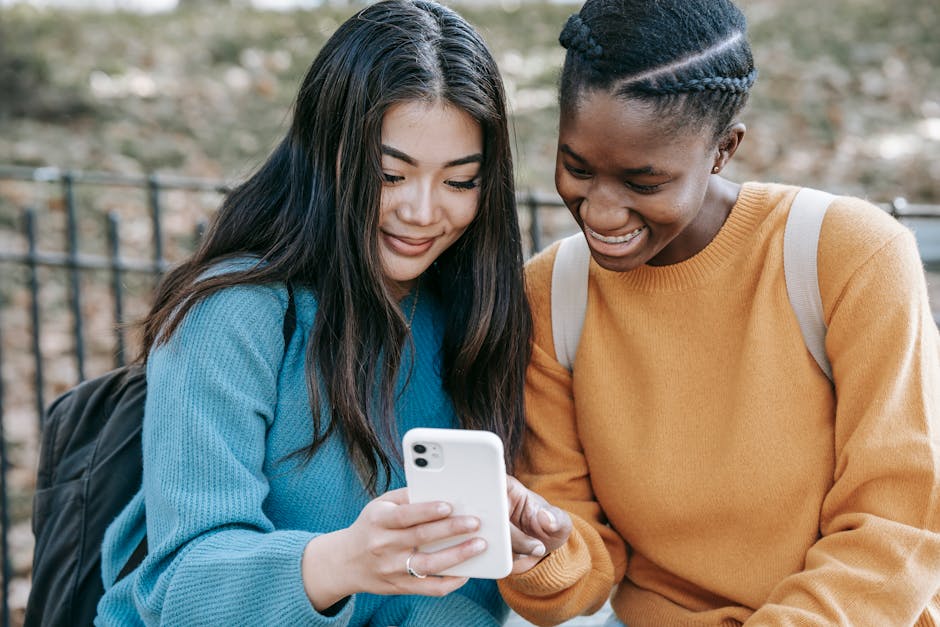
{"x":373,"y":554}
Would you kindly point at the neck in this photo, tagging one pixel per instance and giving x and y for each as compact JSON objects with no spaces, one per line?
{"x":400,"y":289}
{"x":720,"y":197}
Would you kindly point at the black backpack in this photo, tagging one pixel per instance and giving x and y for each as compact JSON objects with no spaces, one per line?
{"x":90,"y":468}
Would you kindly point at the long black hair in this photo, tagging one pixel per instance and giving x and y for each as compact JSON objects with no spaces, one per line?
{"x":688,"y":59}
{"x":311,"y":213}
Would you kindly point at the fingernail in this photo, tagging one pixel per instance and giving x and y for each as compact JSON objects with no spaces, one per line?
{"x":552,"y":524}
{"x":478,"y":545}
{"x":538,"y":551}
{"x":443,"y":509}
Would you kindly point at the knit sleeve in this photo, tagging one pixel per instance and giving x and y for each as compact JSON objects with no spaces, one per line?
{"x":578,"y":577}
{"x":476,"y":604}
{"x":214,"y":557}
{"x":875,"y":562}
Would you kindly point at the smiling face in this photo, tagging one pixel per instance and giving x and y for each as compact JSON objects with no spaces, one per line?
{"x":638,"y":188}
{"x":431,"y":159}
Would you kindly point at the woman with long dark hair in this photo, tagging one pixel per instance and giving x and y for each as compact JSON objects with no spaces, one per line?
{"x":365,"y":280}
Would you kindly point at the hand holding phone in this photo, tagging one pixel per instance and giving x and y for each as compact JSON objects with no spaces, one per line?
{"x":465,"y":468}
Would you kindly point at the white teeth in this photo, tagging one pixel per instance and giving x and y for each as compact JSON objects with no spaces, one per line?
{"x":619,"y":239}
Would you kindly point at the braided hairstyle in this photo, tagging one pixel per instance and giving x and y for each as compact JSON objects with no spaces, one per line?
{"x":688,"y":60}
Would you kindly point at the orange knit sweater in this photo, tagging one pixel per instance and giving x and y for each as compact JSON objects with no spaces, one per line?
{"x":713,"y":476}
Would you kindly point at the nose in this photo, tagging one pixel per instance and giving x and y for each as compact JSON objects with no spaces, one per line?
{"x":418,"y":204}
{"x":604,"y":202}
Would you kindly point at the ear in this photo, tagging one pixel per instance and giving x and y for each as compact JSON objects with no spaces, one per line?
{"x":727,"y":145}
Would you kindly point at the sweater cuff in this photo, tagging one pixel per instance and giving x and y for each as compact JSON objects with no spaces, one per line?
{"x":301,"y":607}
{"x":559,"y":570}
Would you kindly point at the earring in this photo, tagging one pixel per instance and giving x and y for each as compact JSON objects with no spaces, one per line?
{"x":715,"y":170}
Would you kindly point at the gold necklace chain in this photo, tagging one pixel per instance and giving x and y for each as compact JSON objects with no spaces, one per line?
{"x":414,"y":305}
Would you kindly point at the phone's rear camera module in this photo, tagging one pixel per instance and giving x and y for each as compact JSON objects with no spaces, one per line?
{"x":420,"y":448}
{"x":420,"y":461}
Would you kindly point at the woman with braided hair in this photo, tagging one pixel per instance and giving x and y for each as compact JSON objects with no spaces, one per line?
{"x":711,"y":472}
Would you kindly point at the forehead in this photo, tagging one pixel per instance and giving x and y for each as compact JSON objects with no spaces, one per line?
{"x":431,"y":132}
{"x":604,"y":127}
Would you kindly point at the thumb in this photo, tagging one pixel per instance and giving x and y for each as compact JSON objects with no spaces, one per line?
{"x":552,"y":525}
{"x":398,"y":497}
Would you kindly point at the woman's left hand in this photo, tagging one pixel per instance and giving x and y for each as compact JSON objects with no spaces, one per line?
{"x":538,"y":527}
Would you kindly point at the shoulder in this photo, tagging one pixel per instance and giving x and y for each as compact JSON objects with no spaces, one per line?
{"x":538,"y":272}
{"x":855,"y":223}
{"x":856,"y":233}
{"x":239,"y":315}
{"x":538,"y":280}
{"x":246,"y":304}
{"x":253,"y":302}
{"x":854,"y":230}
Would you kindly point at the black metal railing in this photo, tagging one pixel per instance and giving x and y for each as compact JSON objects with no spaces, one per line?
{"x":38,"y":252}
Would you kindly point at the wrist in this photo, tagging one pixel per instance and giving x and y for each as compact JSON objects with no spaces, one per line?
{"x":325,"y":571}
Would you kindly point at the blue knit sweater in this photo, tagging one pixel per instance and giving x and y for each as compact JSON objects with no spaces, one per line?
{"x":227,"y":516}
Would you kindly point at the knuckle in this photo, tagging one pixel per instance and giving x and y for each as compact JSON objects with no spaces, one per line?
{"x":457,"y":526}
{"x":467,"y":551}
{"x":423,"y":535}
{"x":398,"y":517}
{"x":375,"y":545}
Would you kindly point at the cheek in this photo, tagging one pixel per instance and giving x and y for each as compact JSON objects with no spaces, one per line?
{"x":562,"y":180}
{"x":464,"y":211}
{"x":689,"y":201}
{"x":386,"y":204}
{"x":568,"y":189}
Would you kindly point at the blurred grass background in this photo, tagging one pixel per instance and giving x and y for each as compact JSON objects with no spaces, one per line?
{"x":848,"y":96}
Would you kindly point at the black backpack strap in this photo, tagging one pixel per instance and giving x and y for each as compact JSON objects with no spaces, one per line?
{"x":290,"y":316}
{"x":290,"y":325}
{"x":134,"y":560}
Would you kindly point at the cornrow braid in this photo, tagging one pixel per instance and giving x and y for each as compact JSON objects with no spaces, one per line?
{"x":576,"y":36}
{"x":689,"y":59}
{"x":734,"y":85}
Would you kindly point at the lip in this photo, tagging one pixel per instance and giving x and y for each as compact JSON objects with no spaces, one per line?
{"x":615,"y":245}
{"x":408,"y":246}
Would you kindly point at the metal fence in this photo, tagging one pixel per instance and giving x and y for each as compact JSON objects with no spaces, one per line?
{"x":32,"y":251}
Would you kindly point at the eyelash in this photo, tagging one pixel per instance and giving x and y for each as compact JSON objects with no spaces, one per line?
{"x":643,"y":189}
{"x":577,"y":172}
{"x":457,"y":185}
{"x":464,"y":185}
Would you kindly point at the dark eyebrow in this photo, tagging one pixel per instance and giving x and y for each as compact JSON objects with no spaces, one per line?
{"x":397,"y":154}
{"x":474,"y":158}
{"x":391,"y":152}
{"x":646,"y":169}
{"x":565,"y":148}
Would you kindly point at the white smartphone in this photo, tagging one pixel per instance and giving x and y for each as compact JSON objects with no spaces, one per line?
{"x":465,"y":468}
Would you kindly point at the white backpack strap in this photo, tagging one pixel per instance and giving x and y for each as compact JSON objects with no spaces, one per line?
{"x":800,"y":246}
{"x":569,"y":296}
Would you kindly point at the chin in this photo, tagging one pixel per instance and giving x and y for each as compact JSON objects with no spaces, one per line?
{"x":403,"y":277}
{"x":617,"y":264}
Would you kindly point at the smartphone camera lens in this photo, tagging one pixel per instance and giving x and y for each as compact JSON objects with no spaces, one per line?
{"x":420,"y":461}
{"x":420,"y":448}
